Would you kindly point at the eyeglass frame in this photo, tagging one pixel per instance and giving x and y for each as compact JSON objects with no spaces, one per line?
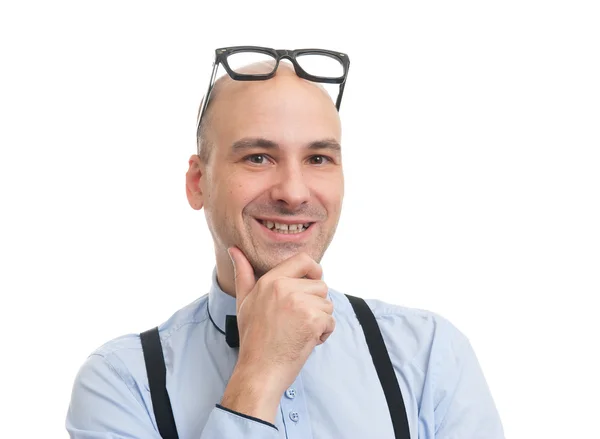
{"x":221,"y":55}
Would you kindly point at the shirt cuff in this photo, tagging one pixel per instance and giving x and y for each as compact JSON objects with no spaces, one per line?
{"x":252,"y":418}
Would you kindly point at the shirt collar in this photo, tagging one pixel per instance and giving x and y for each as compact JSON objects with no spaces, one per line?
{"x":220,"y":304}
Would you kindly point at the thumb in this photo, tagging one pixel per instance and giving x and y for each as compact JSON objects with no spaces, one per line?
{"x":243,"y":273}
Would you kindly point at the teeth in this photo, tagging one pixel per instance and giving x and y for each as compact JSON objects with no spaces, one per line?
{"x":286,"y":228}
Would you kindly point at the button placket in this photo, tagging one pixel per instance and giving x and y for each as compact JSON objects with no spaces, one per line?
{"x":294,"y":411}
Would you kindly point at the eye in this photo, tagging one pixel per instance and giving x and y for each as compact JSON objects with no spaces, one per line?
{"x":319,"y":159}
{"x":256,"y":159}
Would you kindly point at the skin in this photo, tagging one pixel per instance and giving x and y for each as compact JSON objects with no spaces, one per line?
{"x":288,"y":180}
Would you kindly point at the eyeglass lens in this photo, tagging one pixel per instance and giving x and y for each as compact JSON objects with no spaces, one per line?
{"x":258,"y":63}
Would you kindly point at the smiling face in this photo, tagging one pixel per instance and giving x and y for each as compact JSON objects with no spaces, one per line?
{"x":275,"y":164}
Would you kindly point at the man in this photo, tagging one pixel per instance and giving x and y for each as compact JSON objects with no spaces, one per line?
{"x":269,"y":177}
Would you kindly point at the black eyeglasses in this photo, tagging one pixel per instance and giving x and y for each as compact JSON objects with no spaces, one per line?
{"x":252,"y":63}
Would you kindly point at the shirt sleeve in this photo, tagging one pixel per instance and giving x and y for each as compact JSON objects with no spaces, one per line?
{"x":464,"y":405}
{"x":104,"y":406}
{"x":224,"y":423}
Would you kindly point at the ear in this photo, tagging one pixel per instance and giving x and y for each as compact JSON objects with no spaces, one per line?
{"x":194,"y":182}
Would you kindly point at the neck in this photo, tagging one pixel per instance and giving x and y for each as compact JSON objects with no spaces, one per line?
{"x":225,"y":272}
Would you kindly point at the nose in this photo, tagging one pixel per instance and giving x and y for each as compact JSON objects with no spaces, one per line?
{"x":291,"y":188}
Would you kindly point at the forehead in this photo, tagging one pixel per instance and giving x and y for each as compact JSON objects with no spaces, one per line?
{"x":286,"y":109}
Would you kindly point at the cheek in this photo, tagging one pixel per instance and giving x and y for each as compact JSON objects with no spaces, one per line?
{"x":239,"y":195}
{"x":331,"y":197}
{"x":232,"y":196}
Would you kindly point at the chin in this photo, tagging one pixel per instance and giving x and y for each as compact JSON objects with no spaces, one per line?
{"x":263,"y":264}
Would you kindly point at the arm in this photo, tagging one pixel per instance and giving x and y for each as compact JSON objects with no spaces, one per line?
{"x":103,"y":406}
{"x":464,"y":404}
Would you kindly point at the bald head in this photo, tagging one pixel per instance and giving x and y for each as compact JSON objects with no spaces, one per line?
{"x":285,"y":89}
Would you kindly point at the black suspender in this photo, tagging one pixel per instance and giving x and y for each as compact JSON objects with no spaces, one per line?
{"x":156,"y":370}
{"x":157,"y":380}
{"x":383,"y":365}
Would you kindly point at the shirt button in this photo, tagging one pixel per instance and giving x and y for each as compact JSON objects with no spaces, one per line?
{"x":294,"y":416}
{"x":290,"y":393}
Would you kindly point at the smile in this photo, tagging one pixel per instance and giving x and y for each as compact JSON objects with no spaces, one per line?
{"x":285,"y":229}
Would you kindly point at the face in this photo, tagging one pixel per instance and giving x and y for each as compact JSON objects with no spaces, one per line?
{"x":275,"y":165}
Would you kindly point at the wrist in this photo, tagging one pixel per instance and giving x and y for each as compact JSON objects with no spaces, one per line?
{"x":253,"y":394}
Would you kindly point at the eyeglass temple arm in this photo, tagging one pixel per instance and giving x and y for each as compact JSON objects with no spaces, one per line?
{"x":339,"y":98}
{"x":207,"y":95}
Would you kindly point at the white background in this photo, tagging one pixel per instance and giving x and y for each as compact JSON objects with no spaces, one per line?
{"x":471,"y":137}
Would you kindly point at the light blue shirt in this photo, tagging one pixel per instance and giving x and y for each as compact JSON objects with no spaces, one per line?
{"x":336,"y":395}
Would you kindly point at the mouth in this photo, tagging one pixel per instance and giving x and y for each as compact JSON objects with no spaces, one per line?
{"x":285,"y":228}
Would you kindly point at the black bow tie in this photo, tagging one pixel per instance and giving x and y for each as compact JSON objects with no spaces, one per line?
{"x":232,"y":335}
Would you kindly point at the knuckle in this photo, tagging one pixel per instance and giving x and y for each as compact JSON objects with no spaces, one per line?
{"x":329,"y":307}
{"x":332,"y":322}
{"x":321,"y":289}
{"x":261,"y":281}
{"x":279,"y":287}
{"x":317,"y":321}
{"x":296,"y":303}
{"x":323,"y":286}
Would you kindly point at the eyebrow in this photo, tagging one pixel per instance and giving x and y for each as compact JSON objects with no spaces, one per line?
{"x":260,"y":142}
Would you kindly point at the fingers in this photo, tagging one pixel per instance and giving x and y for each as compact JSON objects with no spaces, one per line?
{"x":319,"y":312}
{"x":298,"y":266}
{"x":318,"y":303}
{"x":329,"y":323}
{"x":312,"y":287}
{"x":244,"y":274}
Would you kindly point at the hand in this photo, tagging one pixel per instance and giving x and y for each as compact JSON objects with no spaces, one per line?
{"x":281,"y":318}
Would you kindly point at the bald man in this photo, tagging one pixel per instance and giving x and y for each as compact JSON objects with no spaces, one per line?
{"x":299,"y":359}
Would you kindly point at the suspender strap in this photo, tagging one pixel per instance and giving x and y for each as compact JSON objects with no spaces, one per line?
{"x":383,"y":365}
{"x":157,"y":380}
